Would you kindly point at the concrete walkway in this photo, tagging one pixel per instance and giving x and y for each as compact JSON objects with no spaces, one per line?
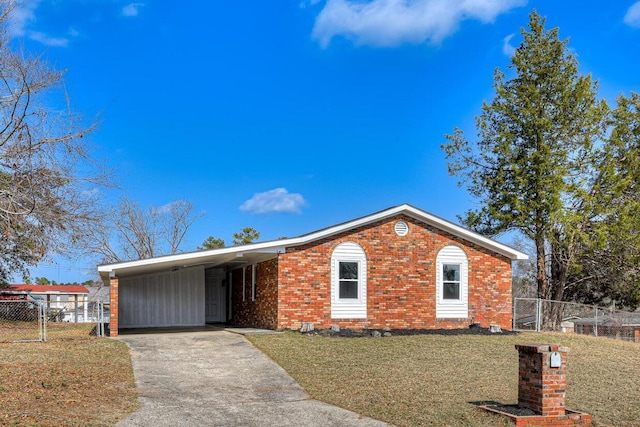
{"x":217,"y":378}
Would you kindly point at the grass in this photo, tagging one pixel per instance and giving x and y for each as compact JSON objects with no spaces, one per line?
{"x":76,"y":380}
{"x":73,"y":379}
{"x":430,"y":380}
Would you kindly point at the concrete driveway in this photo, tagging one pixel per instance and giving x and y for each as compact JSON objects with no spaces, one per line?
{"x":217,"y":378}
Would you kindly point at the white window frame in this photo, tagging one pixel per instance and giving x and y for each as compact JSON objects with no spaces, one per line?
{"x":357,"y":281}
{"x":448,"y":308}
{"x":459,"y":282}
{"x":348,"y":308}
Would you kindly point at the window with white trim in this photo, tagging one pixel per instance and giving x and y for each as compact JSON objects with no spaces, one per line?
{"x":348,"y":282}
{"x":348,"y":277}
{"x":452,"y":288}
{"x":451,"y":281}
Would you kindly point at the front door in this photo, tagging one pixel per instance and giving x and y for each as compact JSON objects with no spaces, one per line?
{"x":214,"y":302}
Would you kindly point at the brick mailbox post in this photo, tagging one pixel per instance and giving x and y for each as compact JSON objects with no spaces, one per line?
{"x":542,"y":379}
{"x":542,"y":383}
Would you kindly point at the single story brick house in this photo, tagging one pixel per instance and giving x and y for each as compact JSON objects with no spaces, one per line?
{"x":401,"y":268}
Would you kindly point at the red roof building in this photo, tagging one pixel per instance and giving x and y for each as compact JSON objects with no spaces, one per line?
{"x":45,"y":290}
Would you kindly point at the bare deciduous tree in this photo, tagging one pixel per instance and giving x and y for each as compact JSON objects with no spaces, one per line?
{"x":175,"y":221}
{"x":131,"y":232}
{"x":47,"y":179}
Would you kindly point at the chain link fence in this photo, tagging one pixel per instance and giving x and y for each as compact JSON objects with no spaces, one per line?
{"x":74,"y":318}
{"x":534,"y":314}
{"x":21,"y":321}
{"x":26,"y":320}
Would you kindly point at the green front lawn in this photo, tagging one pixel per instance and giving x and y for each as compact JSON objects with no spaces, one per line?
{"x":428,"y":380}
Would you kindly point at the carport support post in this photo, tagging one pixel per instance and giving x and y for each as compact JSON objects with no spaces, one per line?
{"x":113,"y":318}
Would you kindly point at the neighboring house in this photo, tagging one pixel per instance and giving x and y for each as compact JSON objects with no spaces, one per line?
{"x":400,"y":268}
{"x":64,"y":302}
{"x":625,"y":327}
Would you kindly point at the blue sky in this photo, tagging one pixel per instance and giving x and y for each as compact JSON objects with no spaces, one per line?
{"x":293,"y":115}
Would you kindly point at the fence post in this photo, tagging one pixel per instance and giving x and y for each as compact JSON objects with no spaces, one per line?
{"x":595,"y":328}
{"x":513,"y":316}
{"x":40,"y":322}
{"x":538,"y":313}
{"x":101,"y":318}
{"x":43,"y":322}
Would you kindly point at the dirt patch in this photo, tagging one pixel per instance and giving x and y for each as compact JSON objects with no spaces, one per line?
{"x":511,"y":409}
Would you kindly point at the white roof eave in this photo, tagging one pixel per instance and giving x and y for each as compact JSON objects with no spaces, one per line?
{"x":421,"y":215}
{"x":191,"y":257}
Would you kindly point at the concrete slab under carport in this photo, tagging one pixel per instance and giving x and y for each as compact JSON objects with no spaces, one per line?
{"x":212,"y":377}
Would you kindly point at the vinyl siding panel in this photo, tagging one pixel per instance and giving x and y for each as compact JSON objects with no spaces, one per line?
{"x":164,"y":299}
{"x":453,"y":309}
{"x":349,"y":308}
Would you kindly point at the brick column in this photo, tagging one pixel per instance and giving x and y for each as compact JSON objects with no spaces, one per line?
{"x":541,"y":387}
{"x":113,"y":317}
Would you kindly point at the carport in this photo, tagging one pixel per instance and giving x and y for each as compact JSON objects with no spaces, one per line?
{"x":190,"y":289}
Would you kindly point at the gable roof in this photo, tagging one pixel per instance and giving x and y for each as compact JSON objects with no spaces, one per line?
{"x":256,"y":252}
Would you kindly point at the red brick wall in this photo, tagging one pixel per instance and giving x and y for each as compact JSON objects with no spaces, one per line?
{"x":113,"y":307}
{"x":401,"y":280}
{"x":261,"y":313}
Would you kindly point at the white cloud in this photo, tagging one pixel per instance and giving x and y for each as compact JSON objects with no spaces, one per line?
{"x":164,"y":209}
{"x":47,"y":40}
{"x":132,"y":9}
{"x":276,"y":200}
{"x":21,"y":17}
{"x":168,"y":207}
{"x":632,"y":18}
{"x":507,"y":48}
{"x":394,"y":22}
